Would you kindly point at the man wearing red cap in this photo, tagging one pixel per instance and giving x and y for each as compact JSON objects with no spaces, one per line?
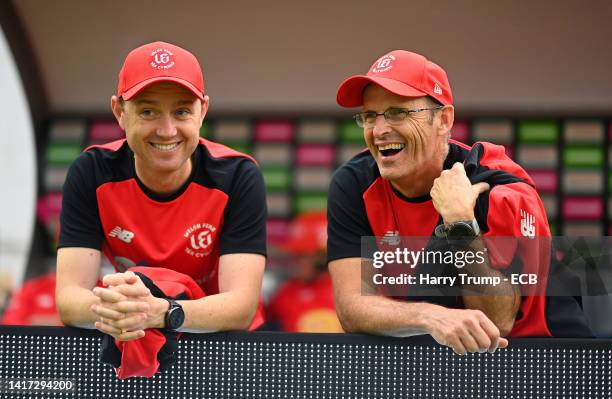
{"x":163,"y":197}
{"x":416,"y":181}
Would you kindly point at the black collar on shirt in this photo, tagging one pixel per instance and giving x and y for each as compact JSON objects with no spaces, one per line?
{"x":172,"y":196}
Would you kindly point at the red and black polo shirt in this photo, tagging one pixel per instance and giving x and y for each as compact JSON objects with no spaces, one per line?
{"x":221,"y":209}
{"x":362,"y":203}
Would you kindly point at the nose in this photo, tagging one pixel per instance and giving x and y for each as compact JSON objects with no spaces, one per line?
{"x":166,"y":127}
{"x":380,"y":126}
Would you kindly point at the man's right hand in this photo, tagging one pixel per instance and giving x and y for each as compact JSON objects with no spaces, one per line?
{"x":123,"y":307}
{"x":465,"y":330}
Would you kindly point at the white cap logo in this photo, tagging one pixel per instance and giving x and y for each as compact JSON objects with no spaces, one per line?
{"x":437,"y":90}
{"x":162,"y":59}
{"x":383,"y":64}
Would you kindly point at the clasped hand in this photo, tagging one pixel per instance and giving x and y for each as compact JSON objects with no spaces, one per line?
{"x":126,"y":307}
{"x":454,"y":196}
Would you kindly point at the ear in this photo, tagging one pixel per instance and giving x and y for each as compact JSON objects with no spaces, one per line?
{"x":447,"y":118}
{"x":205,"y":105}
{"x":118,"y":111}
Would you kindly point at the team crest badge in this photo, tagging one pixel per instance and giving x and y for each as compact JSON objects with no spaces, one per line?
{"x":200,"y":239}
{"x":162,"y":59}
{"x":383,"y":64}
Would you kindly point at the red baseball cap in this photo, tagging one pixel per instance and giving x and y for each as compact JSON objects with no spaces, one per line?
{"x":159,"y":62}
{"x":308,"y":234}
{"x":401,"y":72}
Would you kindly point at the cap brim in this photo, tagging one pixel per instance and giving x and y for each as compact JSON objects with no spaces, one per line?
{"x":350,"y":92}
{"x":128,"y":94}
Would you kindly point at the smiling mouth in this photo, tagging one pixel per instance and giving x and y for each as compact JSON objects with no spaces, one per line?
{"x":165,"y":147}
{"x":389,"y":150}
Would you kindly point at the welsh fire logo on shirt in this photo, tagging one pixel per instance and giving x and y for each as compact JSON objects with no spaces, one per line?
{"x":201,"y":237}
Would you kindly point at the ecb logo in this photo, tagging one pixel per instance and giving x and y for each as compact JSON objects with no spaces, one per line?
{"x":383,"y":64}
{"x":162,"y":59}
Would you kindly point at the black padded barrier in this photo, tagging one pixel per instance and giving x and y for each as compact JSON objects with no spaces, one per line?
{"x":277,"y":365}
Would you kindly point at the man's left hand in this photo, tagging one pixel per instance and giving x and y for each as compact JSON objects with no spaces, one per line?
{"x":454,"y":196}
{"x":127,"y":307}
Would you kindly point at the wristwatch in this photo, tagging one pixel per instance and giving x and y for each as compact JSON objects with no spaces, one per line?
{"x":460,"y":232}
{"x":175,"y":316}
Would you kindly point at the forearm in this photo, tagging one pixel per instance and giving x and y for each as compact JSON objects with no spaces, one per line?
{"x":385,"y":316}
{"x":77,"y":273}
{"x":73,"y":305}
{"x":499,"y":301}
{"x":221,"y":312}
{"x":361,"y":310}
{"x":500,"y":309}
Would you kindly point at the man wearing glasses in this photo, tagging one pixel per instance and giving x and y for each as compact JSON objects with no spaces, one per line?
{"x":413,"y":182}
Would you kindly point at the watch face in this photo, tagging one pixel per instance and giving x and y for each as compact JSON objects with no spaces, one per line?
{"x":461,"y":230}
{"x":176,"y":317}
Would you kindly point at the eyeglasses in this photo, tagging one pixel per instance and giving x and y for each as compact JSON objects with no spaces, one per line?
{"x":393,"y":116}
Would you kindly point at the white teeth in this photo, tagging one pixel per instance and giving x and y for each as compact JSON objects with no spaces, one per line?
{"x":395,"y":146}
{"x":165,"y":147}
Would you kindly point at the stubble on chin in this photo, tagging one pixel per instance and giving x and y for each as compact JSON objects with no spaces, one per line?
{"x":390,"y":172}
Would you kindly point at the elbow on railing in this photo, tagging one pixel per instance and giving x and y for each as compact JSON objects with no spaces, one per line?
{"x":67,"y":316}
{"x":348,"y":316}
{"x":244,"y":317}
{"x":68,"y":308}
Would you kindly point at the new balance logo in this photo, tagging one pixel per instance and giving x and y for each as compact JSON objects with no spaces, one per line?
{"x":391,"y":238}
{"x":438,"y":90}
{"x":123,"y":235}
{"x":527,"y":224}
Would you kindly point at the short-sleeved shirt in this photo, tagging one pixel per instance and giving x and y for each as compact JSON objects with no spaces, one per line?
{"x":221,"y":209}
{"x":362,"y":203}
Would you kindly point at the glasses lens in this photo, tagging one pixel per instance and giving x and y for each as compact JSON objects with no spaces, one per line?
{"x":395,"y":114}
{"x":369,"y":118}
{"x":359,"y":118}
{"x":365,"y":119}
